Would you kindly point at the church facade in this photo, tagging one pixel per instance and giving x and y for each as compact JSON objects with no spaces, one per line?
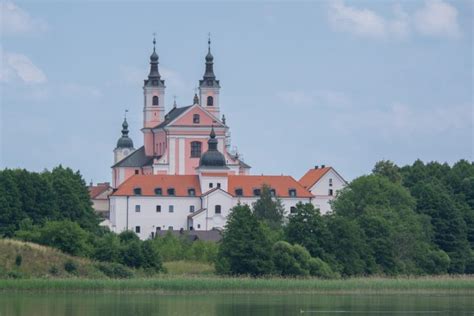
{"x":184,"y":177}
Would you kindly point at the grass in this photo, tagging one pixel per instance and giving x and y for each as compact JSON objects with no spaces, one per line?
{"x":242,"y":284}
{"x":188,"y":268}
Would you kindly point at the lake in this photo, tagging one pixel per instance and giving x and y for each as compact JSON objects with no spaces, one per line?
{"x":105,"y":304}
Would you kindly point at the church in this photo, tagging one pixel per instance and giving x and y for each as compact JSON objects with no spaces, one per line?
{"x":184,"y":177}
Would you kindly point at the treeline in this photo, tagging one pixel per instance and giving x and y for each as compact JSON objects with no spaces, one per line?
{"x":412,"y":220}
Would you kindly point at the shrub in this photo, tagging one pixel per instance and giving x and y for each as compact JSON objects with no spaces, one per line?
{"x":290,"y":260}
{"x":321,"y":269}
{"x":70,"y":266}
{"x":115,"y":270}
{"x":18,"y":260}
{"x":66,"y":236}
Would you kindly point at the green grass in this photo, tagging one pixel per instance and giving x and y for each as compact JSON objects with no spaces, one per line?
{"x":217,"y":284}
{"x":188,"y":268}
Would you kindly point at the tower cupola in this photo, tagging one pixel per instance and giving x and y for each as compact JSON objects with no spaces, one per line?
{"x":212,"y":157}
{"x":209,"y":86}
{"x":125,"y":141}
{"x":154,"y":77}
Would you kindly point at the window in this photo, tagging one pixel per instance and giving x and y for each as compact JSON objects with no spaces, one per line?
{"x":137,"y":171}
{"x":256,"y":192}
{"x":292,"y":210}
{"x":196,"y":149}
{"x":137,"y":191}
{"x":211,"y":185}
{"x":218,"y":185}
{"x":158,"y":191}
{"x":152,"y":235}
{"x":155,"y":100}
{"x":171,"y":208}
{"x":171,"y":191}
{"x":210,"y":101}
{"x":191,"y":192}
{"x":196,"y":118}
{"x":158,"y":208}
{"x":330,"y":182}
{"x":199,"y":225}
{"x":330,"y":192}
{"x":217,"y":209}
{"x":158,"y":228}
{"x":170,"y":227}
{"x":292,"y":192}
{"x":137,"y":229}
{"x":273,"y":192}
{"x":239,"y":192}
{"x":137,"y":208}
{"x":191,"y":209}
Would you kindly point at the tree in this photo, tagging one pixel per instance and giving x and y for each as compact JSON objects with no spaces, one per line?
{"x":66,"y":236}
{"x":107,"y":248}
{"x":290,"y":260}
{"x":268,"y":208}
{"x":11,"y":212}
{"x":305,"y":227}
{"x":244,"y":248}
{"x":388,"y":169}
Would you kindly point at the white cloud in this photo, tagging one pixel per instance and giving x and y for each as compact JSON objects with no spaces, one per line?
{"x":437,"y":18}
{"x":15,"y":20}
{"x":363,"y":22}
{"x":18,"y":66}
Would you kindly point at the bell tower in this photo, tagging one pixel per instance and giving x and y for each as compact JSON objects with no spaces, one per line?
{"x":209,"y":87}
{"x":154,"y":94}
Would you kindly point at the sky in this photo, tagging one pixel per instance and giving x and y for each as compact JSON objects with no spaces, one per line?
{"x":340,"y":83}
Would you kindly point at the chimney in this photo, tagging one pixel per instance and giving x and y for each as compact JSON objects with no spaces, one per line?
{"x":316,"y":167}
{"x":323,"y":166}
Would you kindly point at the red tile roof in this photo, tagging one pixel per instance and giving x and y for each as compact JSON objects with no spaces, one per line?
{"x":281,"y":185}
{"x":312,"y":176}
{"x":148,"y":183}
{"x":98,"y":189}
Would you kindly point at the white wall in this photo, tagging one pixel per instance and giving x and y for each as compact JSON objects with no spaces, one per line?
{"x":321,"y":190}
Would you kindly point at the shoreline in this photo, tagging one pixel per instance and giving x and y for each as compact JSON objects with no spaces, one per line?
{"x":196,"y":284}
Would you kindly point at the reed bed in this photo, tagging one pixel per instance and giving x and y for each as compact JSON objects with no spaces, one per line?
{"x":243,"y":284}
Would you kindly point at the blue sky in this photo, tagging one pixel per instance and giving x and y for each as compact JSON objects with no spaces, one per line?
{"x":340,"y":83}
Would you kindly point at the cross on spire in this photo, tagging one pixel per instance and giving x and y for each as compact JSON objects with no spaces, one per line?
{"x":209,"y":42}
{"x":125,"y":114}
{"x":154,"y":40}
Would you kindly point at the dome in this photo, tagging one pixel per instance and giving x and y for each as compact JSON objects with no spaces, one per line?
{"x":154,"y":56}
{"x":212,"y":157}
{"x":209,"y":57}
{"x":125,"y":141}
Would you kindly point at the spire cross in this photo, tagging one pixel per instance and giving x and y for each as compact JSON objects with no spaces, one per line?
{"x":154,"y":40}
{"x":125,"y":114}
{"x":209,"y":41}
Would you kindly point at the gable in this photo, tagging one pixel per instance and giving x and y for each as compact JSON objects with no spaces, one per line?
{"x":322,"y":182}
{"x":187,"y":118}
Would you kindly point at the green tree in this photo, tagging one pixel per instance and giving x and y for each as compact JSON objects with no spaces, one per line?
{"x":244,"y":248}
{"x":290,"y":260}
{"x":269,"y":208}
{"x":306,"y":227}
{"x":66,"y":236}
{"x":107,"y":248}
{"x":11,"y":212}
{"x":388,"y":169}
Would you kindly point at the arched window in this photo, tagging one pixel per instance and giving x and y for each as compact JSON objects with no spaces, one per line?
{"x":155,"y":100}
{"x":195,"y":149}
{"x":196,"y":118}
{"x":210,"y":101}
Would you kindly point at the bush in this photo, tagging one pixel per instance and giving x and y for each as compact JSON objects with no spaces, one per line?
{"x":290,"y":260}
{"x":115,"y":270}
{"x":66,"y":236}
{"x":107,"y":248}
{"x":18,"y":260}
{"x":321,"y":269}
{"x":70,"y":266}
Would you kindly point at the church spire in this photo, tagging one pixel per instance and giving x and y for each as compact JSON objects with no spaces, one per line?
{"x":125,"y":141}
{"x":209,"y":78}
{"x":154,"y":77}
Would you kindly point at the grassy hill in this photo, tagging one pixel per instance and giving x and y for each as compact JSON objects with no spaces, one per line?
{"x":23,"y":259}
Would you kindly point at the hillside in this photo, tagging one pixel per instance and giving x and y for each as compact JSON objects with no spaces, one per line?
{"x":23,"y":259}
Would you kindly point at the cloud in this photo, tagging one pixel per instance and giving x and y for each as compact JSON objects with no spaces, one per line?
{"x":78,"y":90}
{"x":437,"y":18}
{"x":15,"y":20}
{"x":18,"y":66}
{"x":363,"y":22}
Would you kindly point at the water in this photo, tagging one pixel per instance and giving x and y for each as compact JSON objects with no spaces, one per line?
{"x":53,"y":304}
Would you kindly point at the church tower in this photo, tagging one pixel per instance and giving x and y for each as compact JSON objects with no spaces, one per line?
{"x":209,"y":86}
{"x":124,"y":144}
{"x":154,"y":94}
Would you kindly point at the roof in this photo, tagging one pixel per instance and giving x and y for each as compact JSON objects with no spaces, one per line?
{"x":96,"y":190}
{"x":148,"y":183}
{"x":281,"y":185}
{"x":171,"y":115}
{"x":193,"y":235}
{"x":243,"y":164}
{"x":312,"y":176}
{"x":196,"y":213}
{"x":135,"y":159}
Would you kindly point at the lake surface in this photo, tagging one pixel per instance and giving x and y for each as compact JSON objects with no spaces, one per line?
{"x":105,"y":304}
